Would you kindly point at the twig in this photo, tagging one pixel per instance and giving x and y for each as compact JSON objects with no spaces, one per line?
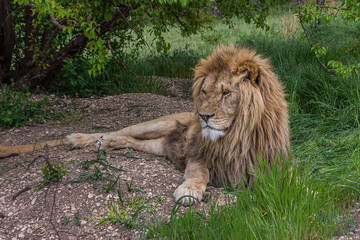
{"x":116,"y":59}
{"x":61,"y":27}
{"x":47,"y":158}
{"x":138,"y":34}
{"x":337,"y":12}
{"x":51,"y":214}
{"x":27,"y":188}
{"x":312,"y":45}
{"x":32,"y":162}
{"x":181,"y":23}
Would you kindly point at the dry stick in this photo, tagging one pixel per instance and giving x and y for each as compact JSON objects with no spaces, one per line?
{"x":32,"y":162}
{"x":312,"y":45}
{"x":47,"y":158}
{"x":27,"y":188}
{"x":51,"y":213}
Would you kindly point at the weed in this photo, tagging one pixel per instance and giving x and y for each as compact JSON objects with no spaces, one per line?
{"x":160,"y":198}
{"x":52,"y":173}
{"x":99,"y":179}
{"x":77,"y":219}
{"x":129,"y":215}
{"x":97,"y":127}
{"x":65,"y":220}
{"x":71,"y":116}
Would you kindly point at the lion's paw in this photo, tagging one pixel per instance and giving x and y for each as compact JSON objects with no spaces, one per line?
{"x":79,"y":140}
{"x":194,"y":189}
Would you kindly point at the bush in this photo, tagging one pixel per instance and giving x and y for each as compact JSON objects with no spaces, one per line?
{"x":17,"y":108}
{"x":76,"y":81}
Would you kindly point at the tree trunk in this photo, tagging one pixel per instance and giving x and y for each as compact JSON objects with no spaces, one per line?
{"x":7,"y":37}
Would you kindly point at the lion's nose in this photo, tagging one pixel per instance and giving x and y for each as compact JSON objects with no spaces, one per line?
{"x":205,"y":116}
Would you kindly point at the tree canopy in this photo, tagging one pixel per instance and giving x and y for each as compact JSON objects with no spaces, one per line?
{"x":37,"y":36}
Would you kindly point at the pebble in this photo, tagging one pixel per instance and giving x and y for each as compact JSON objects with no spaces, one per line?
{"x":90,"y":195}
{"x":21,"y":235}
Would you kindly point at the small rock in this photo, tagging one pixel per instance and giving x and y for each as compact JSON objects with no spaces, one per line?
{"x":21,"y":235}
{"x":33,"y":201}
{"x":90,"y":195}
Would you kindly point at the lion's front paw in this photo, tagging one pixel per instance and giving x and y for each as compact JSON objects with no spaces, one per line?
{"x":194,"y":189}
{"x":79,"y":140}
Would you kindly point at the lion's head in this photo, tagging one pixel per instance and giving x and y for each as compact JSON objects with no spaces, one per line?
{"x":240,"y":111}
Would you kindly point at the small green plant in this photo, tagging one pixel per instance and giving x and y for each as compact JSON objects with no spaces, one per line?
{"x":130,"y":188}
{"x":77,"y":220}
{"x":65,"y":220}
{"x":17,"y":109}
{"x":115,"y":214}
{"x":97,"y":127}
{"x":129,"y":215}
{"x":52,"y":173}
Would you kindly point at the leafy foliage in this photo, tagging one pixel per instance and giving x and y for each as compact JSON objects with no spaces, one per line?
{"x":74,"y":80}
{"x":313,"y":13}
{"x":17,"y":108}
{"x":110,"y":28}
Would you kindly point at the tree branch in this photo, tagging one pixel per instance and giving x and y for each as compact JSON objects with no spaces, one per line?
{"x":116,"y":59}
{"x":61,"y":27}
{"x":312,"y":45}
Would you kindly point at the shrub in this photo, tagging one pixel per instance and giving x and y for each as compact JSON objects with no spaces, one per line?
{"x":17,"y":109}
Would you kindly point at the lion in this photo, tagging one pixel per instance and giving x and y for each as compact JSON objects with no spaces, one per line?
{"x":240,"y":115}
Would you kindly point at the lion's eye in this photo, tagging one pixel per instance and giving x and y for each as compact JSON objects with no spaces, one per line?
{"x":225,"y":93}
{"x":203,"y":91}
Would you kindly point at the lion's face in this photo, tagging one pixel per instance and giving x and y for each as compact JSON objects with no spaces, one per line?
{"x":218,"y":103}
{"x":227,"y":93}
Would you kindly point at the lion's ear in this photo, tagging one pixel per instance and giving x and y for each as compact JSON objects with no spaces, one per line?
{"x":248,"y":70}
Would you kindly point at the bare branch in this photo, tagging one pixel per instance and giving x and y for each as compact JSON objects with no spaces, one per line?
{"x":116,"y":59}
{"x":138,"y":34}
{"x":312,"y":45}
{"x":61,"y":27}
{"x":181,"y":23}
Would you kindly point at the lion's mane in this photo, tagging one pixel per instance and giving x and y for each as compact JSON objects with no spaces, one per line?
{"x":261,"y":127}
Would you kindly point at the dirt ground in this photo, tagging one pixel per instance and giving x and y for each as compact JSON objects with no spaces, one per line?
{"x":66,"y":210}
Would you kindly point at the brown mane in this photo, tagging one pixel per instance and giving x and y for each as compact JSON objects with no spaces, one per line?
{"x":261,"y":126}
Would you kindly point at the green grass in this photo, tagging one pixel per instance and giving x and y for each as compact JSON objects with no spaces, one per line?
{"x":315,"y":200}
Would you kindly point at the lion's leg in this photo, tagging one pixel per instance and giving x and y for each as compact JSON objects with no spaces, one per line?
{"x":110,"y":142}
{"x":147,"y":130}
{"x":196,"y":178}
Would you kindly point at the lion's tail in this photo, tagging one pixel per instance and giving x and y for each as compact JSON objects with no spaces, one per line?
{"x":7,"y":150}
